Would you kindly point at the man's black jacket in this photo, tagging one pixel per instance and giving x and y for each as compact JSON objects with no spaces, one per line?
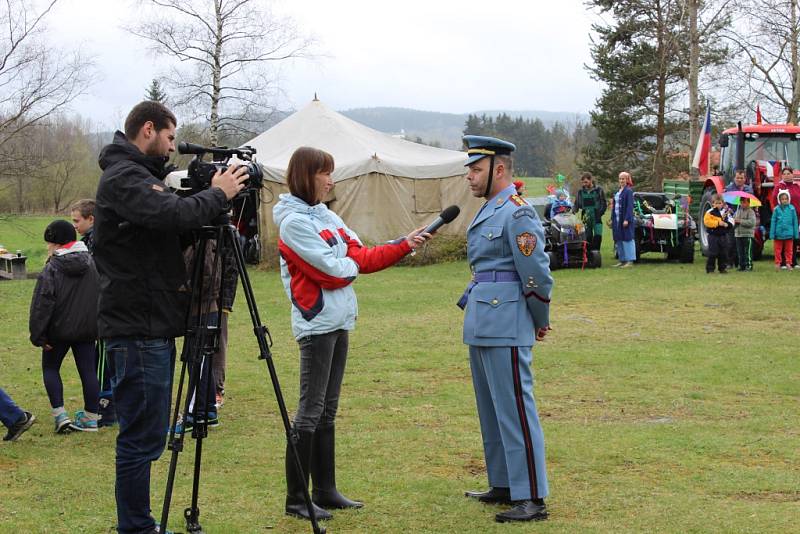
{"x":138,"y":221}
{"x":64,"y":303}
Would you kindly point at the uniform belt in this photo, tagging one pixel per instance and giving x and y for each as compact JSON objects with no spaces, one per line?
{"x":495,"y":276}
{"x":486,"y":276}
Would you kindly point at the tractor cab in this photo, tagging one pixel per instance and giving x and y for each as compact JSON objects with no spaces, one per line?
{"x":766,"y":150}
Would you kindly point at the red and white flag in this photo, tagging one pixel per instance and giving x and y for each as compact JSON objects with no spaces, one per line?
{"x":701,"y":153}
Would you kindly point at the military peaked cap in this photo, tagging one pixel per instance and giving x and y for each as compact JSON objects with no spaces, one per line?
{"x":480,"y":146}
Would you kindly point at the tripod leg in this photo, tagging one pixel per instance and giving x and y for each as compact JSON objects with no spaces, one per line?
{"x":175,"y":442}
{"x":192,"y":358}
{"x":264,"y":342}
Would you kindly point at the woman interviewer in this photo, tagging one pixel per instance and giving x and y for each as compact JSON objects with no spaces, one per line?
{"x":320,"y":258}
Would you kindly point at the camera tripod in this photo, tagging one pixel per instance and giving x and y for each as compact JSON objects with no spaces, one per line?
{"x":200,"y":344}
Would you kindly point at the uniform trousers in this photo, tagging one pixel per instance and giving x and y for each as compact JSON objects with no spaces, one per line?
{"x":513,"y":442}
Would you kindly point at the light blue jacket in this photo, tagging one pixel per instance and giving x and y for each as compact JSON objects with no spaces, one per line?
{"x":300,"y":228}
{"x":506,"y":235}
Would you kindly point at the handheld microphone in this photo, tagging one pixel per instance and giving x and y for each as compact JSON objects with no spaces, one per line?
{"x":446,"y":216}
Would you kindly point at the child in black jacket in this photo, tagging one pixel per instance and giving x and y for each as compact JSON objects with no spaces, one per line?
{"x":716,"y":231}
{"x":63,"y":317}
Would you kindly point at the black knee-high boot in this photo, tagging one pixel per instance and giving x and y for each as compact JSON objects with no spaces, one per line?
{"x":295,"y":499}
{"x":323,"y":471}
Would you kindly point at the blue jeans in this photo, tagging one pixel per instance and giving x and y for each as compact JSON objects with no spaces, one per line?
{"x":142,"y":390}
{"x":9,"y":412}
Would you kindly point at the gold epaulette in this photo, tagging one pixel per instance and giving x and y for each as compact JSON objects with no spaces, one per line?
{"x":518,"y":200}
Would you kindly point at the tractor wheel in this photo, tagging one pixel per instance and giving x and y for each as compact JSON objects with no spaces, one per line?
{"x":705,"y":205}
{"x":687,"y":251}
{"x":595,"y":259}
{"x":553,"y":260}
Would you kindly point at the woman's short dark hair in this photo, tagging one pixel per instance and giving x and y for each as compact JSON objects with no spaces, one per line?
{"x":587,"y":176}
{"x":148,"y":111}
{"x":303,"y":167}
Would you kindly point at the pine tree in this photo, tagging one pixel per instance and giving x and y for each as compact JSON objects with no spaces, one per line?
{"x":639,"y":56}
{"x":156,"y":93}
{"x":643,"y":59}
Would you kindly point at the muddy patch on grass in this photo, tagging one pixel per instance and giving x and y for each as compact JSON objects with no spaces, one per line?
{"x":767,"y":496}
{"x":474,"y":466}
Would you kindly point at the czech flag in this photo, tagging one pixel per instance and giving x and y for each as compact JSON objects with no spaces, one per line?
{"x":701,"y":153}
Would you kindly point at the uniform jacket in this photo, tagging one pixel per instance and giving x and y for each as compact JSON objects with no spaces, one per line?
{"x":598,"y":197}
{"x":712,"y":220}
{"x":747,"y":222}
{"x":507,"y":235}
{"x":784,"y":223}
{"x":624,"y":213}
{"x":320,"y":258}
{"x":64,"y":303}
{"x":137,"y":228}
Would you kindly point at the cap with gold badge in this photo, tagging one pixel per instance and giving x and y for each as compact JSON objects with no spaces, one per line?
{"x":480,"y":146}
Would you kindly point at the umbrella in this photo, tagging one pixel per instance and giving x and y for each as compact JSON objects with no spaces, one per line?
{"x":734,"y":197}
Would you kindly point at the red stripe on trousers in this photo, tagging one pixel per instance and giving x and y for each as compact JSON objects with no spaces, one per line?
{"x":523,"y":420}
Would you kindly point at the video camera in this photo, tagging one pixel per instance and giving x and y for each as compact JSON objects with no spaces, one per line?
{"x":200,"y":173}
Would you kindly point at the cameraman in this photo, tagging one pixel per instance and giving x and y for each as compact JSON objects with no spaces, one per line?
{"x":143,"y":293}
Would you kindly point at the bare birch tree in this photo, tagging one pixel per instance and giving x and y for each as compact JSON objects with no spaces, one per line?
{"x":766,"y":44}
{"x":36,"y":79}
{"x":228,"y":52}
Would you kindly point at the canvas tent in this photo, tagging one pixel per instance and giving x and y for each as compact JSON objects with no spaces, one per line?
{"x":385,"y":186}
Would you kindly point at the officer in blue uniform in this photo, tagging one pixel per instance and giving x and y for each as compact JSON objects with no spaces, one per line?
{"x":506,"y":310}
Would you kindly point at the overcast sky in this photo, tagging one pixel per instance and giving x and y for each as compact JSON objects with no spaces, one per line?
{"x":437,"y":55}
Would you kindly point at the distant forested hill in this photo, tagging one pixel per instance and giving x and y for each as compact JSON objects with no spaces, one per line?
{"x":445,"y":128}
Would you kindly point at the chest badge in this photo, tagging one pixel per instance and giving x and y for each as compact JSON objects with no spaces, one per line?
{"x":526,"y":243}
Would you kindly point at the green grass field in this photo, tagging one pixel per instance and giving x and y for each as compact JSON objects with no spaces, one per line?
{"x":26,"y":233}
{"x":536,"y":187}
{"x":669,"y":400}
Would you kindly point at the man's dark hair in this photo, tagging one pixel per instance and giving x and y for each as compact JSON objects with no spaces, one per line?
{"x":148,"y":111}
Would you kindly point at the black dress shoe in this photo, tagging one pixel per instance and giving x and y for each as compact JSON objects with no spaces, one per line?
{"x":523,"y":511}
{"x":492,"y":495}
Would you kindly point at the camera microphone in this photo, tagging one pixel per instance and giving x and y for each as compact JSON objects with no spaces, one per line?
{"x":446,"y":216}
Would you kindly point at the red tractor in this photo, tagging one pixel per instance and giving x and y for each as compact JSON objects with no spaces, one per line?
{"x":763,"y":150}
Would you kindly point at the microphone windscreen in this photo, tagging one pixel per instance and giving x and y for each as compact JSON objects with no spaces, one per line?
{"x":450,"y":213}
